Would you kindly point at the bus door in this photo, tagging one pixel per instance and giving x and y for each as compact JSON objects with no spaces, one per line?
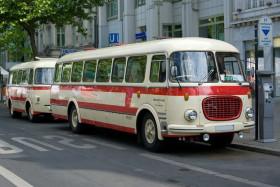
{"x":157,"y":85}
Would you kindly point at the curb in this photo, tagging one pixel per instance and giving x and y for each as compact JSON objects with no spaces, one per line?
{"x":256,"y":149}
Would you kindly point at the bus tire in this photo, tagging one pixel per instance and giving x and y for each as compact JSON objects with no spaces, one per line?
{"x":14,"y":114}
{"x":31,"y":116}
{"x":221,"y":141}
{"x":75,"y":125}
{"x":150,"y":135}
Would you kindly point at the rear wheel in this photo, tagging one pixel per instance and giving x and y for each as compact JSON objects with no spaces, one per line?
{"x":14,"y":114}
{"x":150,"y":135}
{"x":75,"y":126}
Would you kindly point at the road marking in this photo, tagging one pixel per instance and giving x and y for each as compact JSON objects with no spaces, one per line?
{"x":68,"y":142}
{"x":13,"y":178}
{"x":11,"y":149}
{"x":206,"y":171}
{"x":105,"y":144}
{"x":21,"y":140}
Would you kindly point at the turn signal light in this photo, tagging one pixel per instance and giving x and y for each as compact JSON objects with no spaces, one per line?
{"x":186,"y":96}
{"x":249,"y":95}
{"x":138,"y":94}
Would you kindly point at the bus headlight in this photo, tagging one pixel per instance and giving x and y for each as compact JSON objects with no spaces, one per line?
{"x":249,"y":113}
{"x":190,"y":115}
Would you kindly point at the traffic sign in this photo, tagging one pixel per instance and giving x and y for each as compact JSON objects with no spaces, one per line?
{"x":113,"y":38}
{"x":265,"y":32}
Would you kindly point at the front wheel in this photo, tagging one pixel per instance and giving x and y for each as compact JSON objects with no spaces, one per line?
{"x":76,"y":127}
{"x":150,"y":134}
{"x":31,"y":116}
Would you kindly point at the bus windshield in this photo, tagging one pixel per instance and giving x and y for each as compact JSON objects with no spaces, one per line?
{"x":193,"y":66}
{"x":44,"y":76}
{"x":229,"y":67}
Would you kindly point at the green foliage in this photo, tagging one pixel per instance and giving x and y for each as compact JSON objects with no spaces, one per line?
{"x":15,"y":40}
{"x":29,"y":14}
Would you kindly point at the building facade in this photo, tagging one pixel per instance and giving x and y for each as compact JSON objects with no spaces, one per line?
{"x":130,"y":21}
{"x":243,"y":28}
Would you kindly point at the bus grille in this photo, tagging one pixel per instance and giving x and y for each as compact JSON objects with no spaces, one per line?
{"x":222,"y":108}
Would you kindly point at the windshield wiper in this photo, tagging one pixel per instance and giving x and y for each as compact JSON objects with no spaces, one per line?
{"x":206,"y":77}
{"x":178,"y":82}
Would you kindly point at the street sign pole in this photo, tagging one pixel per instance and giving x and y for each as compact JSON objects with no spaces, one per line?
{"x":256,"y":83}
{"x":263,"y":38}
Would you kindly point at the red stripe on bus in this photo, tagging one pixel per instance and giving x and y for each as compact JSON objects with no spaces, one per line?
{"x":30,"y":88}
{"x":23,"y":111}
{"x":59,"y":102}
{"x":59,"y":116}
{"x":201,"y":90}
{"x":39,"y":88}
{"x":19,"y":110}
{"x":111,"y":108}
{"x":18,"y":98}
{"x":109,"y":126}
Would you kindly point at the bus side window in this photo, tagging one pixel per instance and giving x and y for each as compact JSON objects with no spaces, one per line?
{"x":136,"y":68}
{"x":104,"y":70}
{"x":11,"y":77}
{"x":89,"y":71}
{"x":66,"y":71}
{"x":158,"y":69}
{"x":24,"y":79}
{"x":77,"y":70}
{"x":30,"y":79}
{"x":118,"y":69}
{"x":19,"y":77}
{"x":57,"y":75}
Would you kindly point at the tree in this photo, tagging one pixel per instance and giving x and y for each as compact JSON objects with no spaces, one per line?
{"x":28,"y":15}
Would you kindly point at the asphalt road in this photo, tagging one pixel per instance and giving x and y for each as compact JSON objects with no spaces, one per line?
{"x":47,"y":154}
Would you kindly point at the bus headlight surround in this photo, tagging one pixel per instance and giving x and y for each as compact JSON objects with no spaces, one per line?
{"x":249,"y":113}
{"x":190,"y":115}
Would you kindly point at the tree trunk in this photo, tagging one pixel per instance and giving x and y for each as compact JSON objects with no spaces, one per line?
{"x":30,"y":28}
{"x":31,"y":34}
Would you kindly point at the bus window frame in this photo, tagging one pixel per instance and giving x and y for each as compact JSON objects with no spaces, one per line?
{"x":95,"y":69}
{"x":100,"y":79}
{"x":113,"y":70}
{"x":69,"y":73}
{"x":151,"y":66}
{"x":31,"y":75}
{"x":73,"y":69}
{"x":128,"y":72}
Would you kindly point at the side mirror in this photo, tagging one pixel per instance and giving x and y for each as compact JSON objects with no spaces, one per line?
{"x":174,"y":71}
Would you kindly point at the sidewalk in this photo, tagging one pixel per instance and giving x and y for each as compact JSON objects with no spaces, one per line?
{"x":249,"y":143}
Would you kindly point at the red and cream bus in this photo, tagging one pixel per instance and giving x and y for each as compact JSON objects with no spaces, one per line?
{"x":173,"y":88}
{"x":28,"y":88}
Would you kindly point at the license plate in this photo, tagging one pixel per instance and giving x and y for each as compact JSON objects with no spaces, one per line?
{"x":224,"y":128}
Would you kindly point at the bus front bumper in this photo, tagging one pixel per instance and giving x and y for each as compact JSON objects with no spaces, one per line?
{"x":186,"y":130}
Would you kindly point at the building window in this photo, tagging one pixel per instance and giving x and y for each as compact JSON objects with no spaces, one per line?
{"x":212,"y":27}
{"x":255,"y":3}
{"x":140,"y":2}
{"x":60,"y":36}
{"x":49,"y":31}
{"x":112,"y":9}
{"x":172,"y":30}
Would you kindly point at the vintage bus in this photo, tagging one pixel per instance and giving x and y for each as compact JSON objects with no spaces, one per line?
{"x":28,"y":88}
{"x":188,"y":88}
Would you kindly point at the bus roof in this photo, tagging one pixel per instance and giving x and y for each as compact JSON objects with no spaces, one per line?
{"x":156,"y":46}
{"x":43,"y":62}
